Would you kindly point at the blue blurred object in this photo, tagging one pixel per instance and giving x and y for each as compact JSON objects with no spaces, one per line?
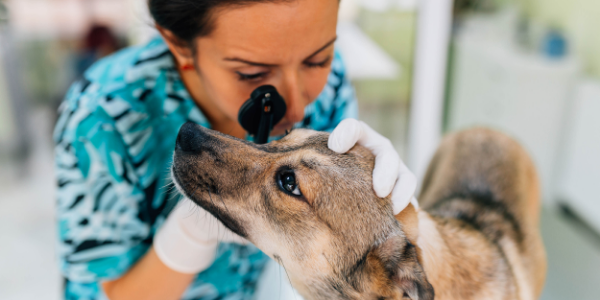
{"x":554,"y":44}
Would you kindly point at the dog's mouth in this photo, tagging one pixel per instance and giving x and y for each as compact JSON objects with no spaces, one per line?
{"x":208,"y":204}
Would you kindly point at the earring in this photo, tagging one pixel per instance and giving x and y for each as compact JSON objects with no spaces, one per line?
{"x":187,"y":67}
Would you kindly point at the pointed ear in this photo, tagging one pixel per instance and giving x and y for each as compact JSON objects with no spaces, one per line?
{"x":401,"y":258}
{"x":411,"y":277}
{"x":410,"y":223}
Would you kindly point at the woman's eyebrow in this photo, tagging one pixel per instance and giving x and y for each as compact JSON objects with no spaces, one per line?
{"x":252,"y":63}
{"x":323,"y":48}
{"x":249,"y":62}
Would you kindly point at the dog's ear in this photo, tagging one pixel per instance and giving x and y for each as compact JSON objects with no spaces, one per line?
{"x":409,"y":222}
{"x":400,"y":260}
{"x":411,"y":277}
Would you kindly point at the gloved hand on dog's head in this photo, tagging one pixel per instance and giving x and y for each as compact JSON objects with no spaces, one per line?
{"x":390,"y":174}
{"x":188,"y":240}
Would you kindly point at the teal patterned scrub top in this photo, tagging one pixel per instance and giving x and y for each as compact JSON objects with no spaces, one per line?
{"x":114,"y":143}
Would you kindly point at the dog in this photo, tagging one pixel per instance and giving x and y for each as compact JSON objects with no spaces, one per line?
{"x":314,"y":211}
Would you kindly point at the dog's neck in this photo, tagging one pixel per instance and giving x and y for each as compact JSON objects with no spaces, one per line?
{"x":447,"y":260}
{"x":433,"y":248}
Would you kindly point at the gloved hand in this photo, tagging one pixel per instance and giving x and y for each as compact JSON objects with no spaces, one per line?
{"x":188,"y":240}
{"x":390,"y":175}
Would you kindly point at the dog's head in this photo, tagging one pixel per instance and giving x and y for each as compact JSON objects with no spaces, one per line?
{"x":309,"y":208}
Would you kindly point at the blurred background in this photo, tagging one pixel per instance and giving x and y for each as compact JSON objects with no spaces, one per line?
{"x":530,"y":68}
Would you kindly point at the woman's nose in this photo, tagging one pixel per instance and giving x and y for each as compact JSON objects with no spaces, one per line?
{"x":295,"y":99}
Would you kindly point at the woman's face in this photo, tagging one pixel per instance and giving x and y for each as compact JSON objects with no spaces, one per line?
{"x":285,"y":44}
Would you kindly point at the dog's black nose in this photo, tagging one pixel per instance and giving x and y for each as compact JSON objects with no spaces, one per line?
{"x":191,"y":137}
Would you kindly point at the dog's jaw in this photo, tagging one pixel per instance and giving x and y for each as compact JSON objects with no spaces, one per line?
{"x":229,"y":222}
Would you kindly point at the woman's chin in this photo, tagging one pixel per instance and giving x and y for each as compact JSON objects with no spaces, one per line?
{"x":280,"y":129}
{"x":277,"y":132}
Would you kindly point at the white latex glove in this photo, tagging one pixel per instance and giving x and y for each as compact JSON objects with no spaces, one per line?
{"x":390,"y":174}
{"x":188,"y":240}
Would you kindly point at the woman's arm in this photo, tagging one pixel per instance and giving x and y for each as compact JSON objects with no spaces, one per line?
{"x":149,"y":279}
{"x":103,"y":231}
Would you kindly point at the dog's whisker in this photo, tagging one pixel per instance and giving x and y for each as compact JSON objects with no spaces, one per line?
{"x":172,"y":191}
{"x":226,"y":209}
{"x":210,"y":197}
{"x":167,"y":188}
{"x":218,"y":227}
{"x":168,"y":183}
{"x":286,"y":272}
{"x":279,"y":283}
{"x":173,"y":196}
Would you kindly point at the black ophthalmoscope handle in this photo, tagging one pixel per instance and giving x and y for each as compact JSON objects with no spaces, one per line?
{"x":262,"y":112}
{"x":266,"y":121}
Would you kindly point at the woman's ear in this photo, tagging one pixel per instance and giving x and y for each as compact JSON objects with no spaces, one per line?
{"x":181,"y":50}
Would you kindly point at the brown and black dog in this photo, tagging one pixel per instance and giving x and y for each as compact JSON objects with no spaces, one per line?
{"x":314,"y":211}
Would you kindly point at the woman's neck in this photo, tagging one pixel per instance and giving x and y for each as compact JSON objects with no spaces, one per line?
{"x":217,"y":119}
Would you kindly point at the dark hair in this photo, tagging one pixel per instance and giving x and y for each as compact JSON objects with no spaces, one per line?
{"x":188,"y":19}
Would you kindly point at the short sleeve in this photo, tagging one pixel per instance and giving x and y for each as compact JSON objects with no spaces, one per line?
{"x":100,"y":227}
{"x":336,"y":102}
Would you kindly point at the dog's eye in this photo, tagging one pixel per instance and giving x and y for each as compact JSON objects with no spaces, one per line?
{"x":287,"y":181}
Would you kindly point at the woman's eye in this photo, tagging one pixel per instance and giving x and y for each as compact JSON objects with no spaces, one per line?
{"x":288,"y":183}
{"x":321,"y":64}
{"x":243,"y":76}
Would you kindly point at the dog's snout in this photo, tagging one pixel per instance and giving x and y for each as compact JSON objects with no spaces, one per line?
{"x":191,"y":137}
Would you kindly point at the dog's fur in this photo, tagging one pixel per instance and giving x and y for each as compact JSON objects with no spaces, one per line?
{"x":475,"y":237}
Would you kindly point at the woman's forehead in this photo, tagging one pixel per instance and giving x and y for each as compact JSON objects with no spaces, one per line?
{"x":273,"y":31}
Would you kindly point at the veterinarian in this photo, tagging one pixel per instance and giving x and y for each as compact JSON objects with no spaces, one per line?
{"x":116,"y":135}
